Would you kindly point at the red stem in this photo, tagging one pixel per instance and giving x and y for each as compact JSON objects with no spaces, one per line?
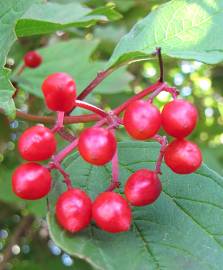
{"x":156,"y":92}
{"x":99,"y":78}
{"x":158,"y":85}
{"x":163,"y":141}
{"x":66,"y":151}
{"x":56,"y":165}
{"x":59,"y":122}
{"x":115,"y":171}
{"x":90,"y":107}
{"x":89,"y":117}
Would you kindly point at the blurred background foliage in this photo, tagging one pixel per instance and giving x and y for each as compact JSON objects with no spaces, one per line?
{"x":197,"y":82}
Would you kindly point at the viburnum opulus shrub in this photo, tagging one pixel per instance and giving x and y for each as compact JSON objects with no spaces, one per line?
{"x":136,"y":205}
{"x":97,"y":145}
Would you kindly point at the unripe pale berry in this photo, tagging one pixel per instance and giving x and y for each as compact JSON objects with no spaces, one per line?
{"x":142,"y":120}
{"x":32,"y":59}
{"x":97,"y":145}
{"x":179,"y":118}
{"x":37,"y":143}
{"x":59,"y":90}
{"x":182,"y":156}
{"x":31,"y":181}
{"x":111,"y":212}
{"x":73,"y":210}
{"x":142,"y":187}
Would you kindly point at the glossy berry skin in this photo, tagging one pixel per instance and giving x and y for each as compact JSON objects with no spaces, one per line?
{"x":32,"y":59}
{"x":37,"y":143}
{"x":142,"y":187}
{"x":142,"y":120}
{"x":97,"y":145}
{"x":59,"y":90}
{"x":179,"y":118}
{"x":182,"y":156}
{"x":73,"y":210}
{"x":31,"y":181}
{"x":111,"y":212}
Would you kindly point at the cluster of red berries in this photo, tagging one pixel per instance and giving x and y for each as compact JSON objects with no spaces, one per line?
{"x":97,"y":145}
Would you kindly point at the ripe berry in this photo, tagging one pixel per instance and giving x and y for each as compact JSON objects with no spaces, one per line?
{"x":143,"y":187}
{"x":179,"y":118}
{"x":142,"y":120}
{"x":111,"y":212}
{"x":183,"y":156}
{"x":37,"y":143}
{"x":59,"y":90}
{"x":31,"y":181}
{"x":32,"y":59}
{"x":73,"y":210}
{"x":97,"y":145}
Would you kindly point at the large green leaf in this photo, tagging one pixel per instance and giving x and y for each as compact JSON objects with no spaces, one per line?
{"x":190,"y":29}
{"x":73,"y":57}
{"x":10,"y":12}
{"x":44,"y":18}
{"x":32,"y":17}
{"x":182,"y":230}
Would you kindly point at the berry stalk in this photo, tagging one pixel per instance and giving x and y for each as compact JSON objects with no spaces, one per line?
{"x":115,"y":171}
{"x":163,"y":141}
{"x":90,"y":107}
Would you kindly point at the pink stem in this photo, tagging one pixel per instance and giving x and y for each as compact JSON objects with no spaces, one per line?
{"x":66,"y":151}
{"x":115,"y":171}
{"x":163,"y":141}
{"x":59,"y":122}
{"x":92,"y":108}
{"x":173,"y":91}
{"x":147,"y":91}
{"x":99,"y":78}
{"x":56,"y":165}
{"x":156,"y":92}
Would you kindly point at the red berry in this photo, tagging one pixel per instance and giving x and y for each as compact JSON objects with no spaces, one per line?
{"x":143,"y":187}
{"x":97,"y":145}
{"x":183,"y":156}
{"x":31,"y":181}
{"x":37,"y":143}
{"x":179,"y":118}
{"x":142,"y":120}
{"x":73,"y":210}
{"x":59,"y":90}
{"x":32,"y":59}
{"x":111,"y":212}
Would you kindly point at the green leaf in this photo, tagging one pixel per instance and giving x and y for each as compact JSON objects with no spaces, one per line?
{"x":183,"y":29}
{"x":40,"y":18}
{"x":6,"y":92}
{"x":10,"y":12}
{"x":73,"y":57}
{"x":43,"y":18}
{"x":182,"y":230}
